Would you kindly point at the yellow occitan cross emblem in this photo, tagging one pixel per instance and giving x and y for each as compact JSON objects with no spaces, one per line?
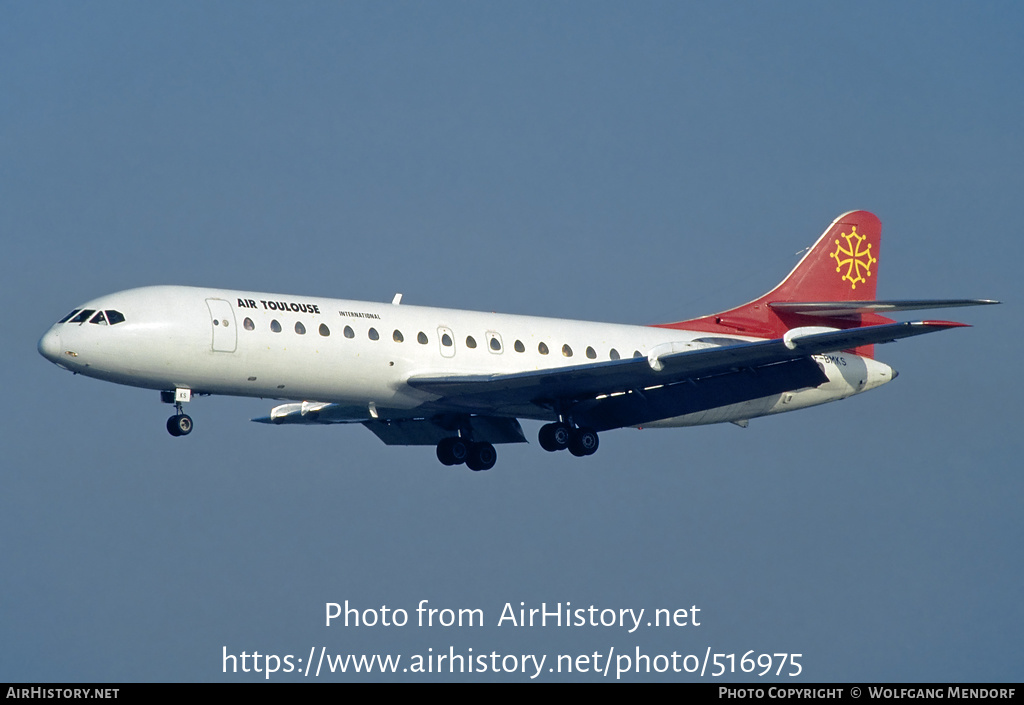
{"x":856,"y":260}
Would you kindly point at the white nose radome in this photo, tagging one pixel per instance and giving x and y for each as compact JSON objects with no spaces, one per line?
{"x":49,"y":345}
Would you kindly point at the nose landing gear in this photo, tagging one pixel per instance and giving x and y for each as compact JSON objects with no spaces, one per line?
{"x":181,"y":423}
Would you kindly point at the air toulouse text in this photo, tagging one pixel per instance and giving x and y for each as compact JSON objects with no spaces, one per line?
{"x":280,"y":306}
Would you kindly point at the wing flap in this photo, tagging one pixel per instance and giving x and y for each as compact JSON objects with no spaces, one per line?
{"x":314,"y":412}
{"x":428,"y":432}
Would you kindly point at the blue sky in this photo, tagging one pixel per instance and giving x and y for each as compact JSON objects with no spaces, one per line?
{"x":602,"y":161}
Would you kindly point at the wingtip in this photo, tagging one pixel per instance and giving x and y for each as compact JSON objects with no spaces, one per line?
{"x":944,"y":324}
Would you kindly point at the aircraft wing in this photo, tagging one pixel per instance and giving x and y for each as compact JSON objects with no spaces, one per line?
{"x":730,"y":373}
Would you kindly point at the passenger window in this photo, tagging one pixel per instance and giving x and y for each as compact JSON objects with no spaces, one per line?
{"x":421,"y":338}
{"x":519,"y":347}
{"x":636,"y":353}
{"x":349,"y":333}
{"x":373,"y":334}
{"x":470,"y":342}
{"x":275,"y":326}
{"x":99,"y":319}
{"x":83,"y":316}
{"x":299,"y":328}
{"x":542,"y":349}
{"x":494,"y":342}
{"x":324,"y":330}
{"x":566,"y":350}
{"x":446,"y":340}
{"x":68,"y":317}
{"x":591,"y":353}
{"x":613,"y":354}
{"x":248,"y":324}
{"x":397,"y":336}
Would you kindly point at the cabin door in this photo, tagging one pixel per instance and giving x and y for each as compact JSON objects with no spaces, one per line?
{"x":222,"y":318}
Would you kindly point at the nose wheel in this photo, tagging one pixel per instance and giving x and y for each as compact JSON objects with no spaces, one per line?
{"x":179,"y":425}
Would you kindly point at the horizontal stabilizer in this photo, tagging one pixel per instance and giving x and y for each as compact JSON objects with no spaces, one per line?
{"x":840,"y":309}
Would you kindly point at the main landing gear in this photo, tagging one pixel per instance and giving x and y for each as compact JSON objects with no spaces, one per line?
{"x":457,"y":450}
{"x":561,"y":436}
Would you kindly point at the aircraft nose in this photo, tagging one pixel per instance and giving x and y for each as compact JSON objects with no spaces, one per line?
{"x":49,"y":345}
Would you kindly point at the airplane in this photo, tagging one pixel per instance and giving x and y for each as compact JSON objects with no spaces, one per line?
{"x":461,"y":380}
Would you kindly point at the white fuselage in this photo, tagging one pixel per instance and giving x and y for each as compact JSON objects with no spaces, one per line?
{"x":359,"y":354}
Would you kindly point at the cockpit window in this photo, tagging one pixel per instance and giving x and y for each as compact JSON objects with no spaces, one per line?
{"x":102,"y":318}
